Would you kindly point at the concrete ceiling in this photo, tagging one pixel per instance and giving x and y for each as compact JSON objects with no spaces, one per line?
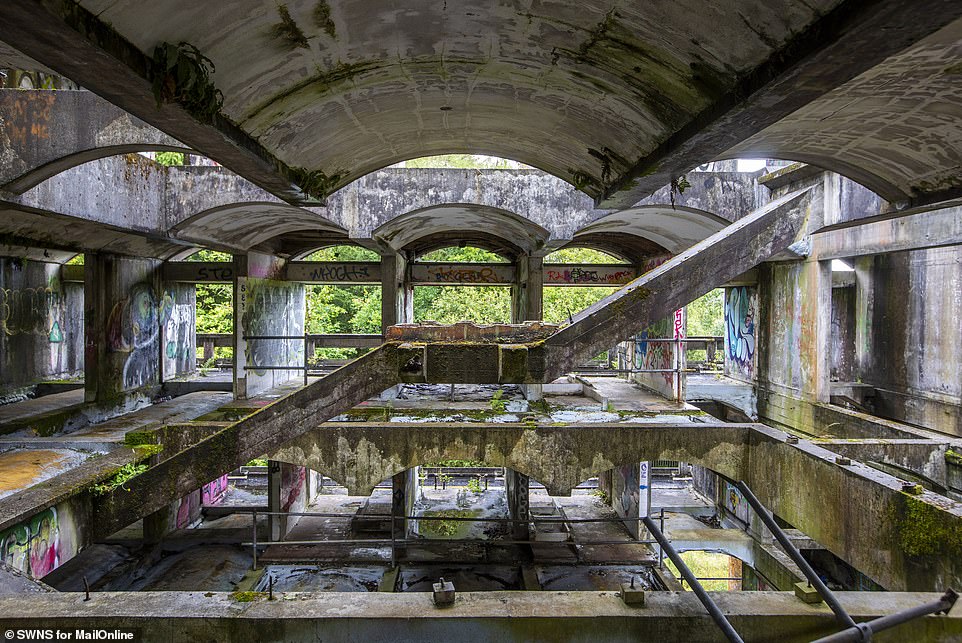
{"x":616,"y":96}
{"x":499,"y":231}
{"x":672,"y":229}
{"x":895,"y":129}
{"x":273,"y":227}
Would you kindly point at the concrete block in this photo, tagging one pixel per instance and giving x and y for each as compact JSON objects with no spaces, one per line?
{"x":807,"y":593}
{"x":632,"y":595}
{"x":443,"y":593}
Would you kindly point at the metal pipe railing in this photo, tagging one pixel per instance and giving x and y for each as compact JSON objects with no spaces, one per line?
{"x":696,"y":587}
{"x":864,"y":631}
{"x":840,"y":614}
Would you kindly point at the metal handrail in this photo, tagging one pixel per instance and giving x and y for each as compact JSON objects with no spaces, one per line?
{"x":706,"y":600}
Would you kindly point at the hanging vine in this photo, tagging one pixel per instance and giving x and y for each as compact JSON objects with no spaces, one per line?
{"x":677,"y":186}
{"x":181,"y":74}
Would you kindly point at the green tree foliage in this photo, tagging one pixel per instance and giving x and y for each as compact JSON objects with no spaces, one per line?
{"x":169,"y":158}
{"x":467,"y":254}
{"x":343,"y":253}
{"x":450,"y":304}
{"x":706,"y":315}
{"x":581,"y":255}
{"x":465,"y":161}
{"x":562,"y":301}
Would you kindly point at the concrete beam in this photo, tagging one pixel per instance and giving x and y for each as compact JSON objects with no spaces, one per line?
{"x":75,"y":43}
{"x":891,"y":232}
{"x":559,"y":457}
{"x":846,"y":41}
{"x":659,"y":292}
{"x":475,"y":616}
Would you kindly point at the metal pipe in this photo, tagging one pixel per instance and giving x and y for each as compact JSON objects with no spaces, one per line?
{"x":864,"y":631}
{"x":696,"y":587}
{"x":840,"y":614}
{"x":254,"y":539}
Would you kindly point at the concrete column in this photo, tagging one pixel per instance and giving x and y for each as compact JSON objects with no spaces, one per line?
{"x":627,"y":487}
{"x":287,"y":491}
{"x":405,"y":490}
{"x":178,"y":318}
{"x":122,"y":311}
{"x":264,"y":304}
{"x":527,"y":292}
{"x":397,"y":294}
{"x":397,"y":300}
{"x":517,"y":487}
{"x":527,"y":299}
{"x":864,"y":314}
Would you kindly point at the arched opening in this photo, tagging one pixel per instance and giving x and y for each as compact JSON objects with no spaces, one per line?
{"x":463,"y":301}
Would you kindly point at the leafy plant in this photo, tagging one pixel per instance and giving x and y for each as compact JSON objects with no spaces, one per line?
{"x":169,"y":158}
{"x":497,"y":404}
{"x":316,"y":183}
{"x":123,"y":475}
{"x":474,"y":485}
{"x":181,"y":74}
{"x":677,"y":186}
{"x":601,"y":495}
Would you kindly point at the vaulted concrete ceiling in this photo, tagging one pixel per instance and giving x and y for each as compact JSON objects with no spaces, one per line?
{"x":616,"y":96}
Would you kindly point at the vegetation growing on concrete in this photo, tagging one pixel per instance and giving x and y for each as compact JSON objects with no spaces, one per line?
{"x":181,"y":74}
{"x":953,"y":457}
{"x":287,"y":30}
{"x":170,"y":159}
{"x":322,"y":18}
{"x":247,"y":597}
{"x":316,"y":183}
{"x":117,"y":481}
{"x":924,"y":530}
{"x":497,"y":404}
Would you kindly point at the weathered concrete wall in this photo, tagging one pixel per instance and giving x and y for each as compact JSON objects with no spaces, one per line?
{"x":658,"y":355}
{"x":178,"y":311}
{"x":625,"y":496}
{"x":741,"y":315}
{"x":123,"y":307}
{"x":843,"y":334}
{"x":916,"y":338}
{"x":41,"y":326}
{"x":266,"y":306}
{"x":48,"y":539}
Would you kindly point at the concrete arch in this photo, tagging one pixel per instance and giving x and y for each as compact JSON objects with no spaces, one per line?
{"x":672,"y":229}
{"x":560,"y":457}
{"x":273,"y":226}
{"x":486,"y":227}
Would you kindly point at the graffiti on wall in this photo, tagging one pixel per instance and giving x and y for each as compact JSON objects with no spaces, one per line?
{"x":735,"y":502}
{"x":177,"y":319}
{"x":741,"y":310}
{"x":340,"y":272}
{"x":466,"y":275}
{"x":214,"y":491}
{"x":293,"y":487}
{"x":583,"y":276}
{"x":271,"y":308}
{"x":33,"y":311}
{"x":133,"y":328}
{"x":33,"y":546}
{"x":656,"y":355}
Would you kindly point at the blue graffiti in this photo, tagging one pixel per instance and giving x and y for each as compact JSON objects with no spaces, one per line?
{"x":740,"y":327}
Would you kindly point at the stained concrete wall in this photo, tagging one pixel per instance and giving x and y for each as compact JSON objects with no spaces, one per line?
{"x":178,"y":312}
{"x":660,"y":355}
{"x":914,"y":335}
{"x":41,"y":326}
{"x":123,"y":308}
{"x":48,"y":539}
{"x":266,"y":306}
{"x":741,"y":315}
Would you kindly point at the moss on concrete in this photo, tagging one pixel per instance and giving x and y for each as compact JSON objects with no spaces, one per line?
{"x":953,"y":457}
{"x":924,"y":530}
{"x":247,"y":597}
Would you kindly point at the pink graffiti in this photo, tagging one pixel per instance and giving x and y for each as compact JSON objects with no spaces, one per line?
{"x":214,"y":491}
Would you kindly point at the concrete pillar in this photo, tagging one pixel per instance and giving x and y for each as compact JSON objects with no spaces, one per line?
{"x":397,"y":293}
{"x":178,"y":318}
{"x":631,"y":495}
{"x":527,"y":303}
{"x":397,"y":300}
{"x":122,"y":312}
{"x":287,"y":491}
{"x":264,"y":304}
{"x":405,"y":491}
{"x":517,"y":488}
